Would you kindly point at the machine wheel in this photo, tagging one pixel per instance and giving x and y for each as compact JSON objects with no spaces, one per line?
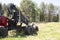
{"x":3,"y":32}
{"x":35,"y":28}
{"x":29,"y":30}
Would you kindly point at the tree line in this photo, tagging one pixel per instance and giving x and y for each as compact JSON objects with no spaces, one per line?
{"x":43,"y":13}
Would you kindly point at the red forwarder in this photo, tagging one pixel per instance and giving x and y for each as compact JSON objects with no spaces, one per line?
{"x":10,"y":24}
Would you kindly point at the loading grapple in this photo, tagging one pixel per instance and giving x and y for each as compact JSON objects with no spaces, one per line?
{"x":10,"y":22}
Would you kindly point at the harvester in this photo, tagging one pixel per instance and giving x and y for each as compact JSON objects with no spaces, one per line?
{"x":10,"y":22}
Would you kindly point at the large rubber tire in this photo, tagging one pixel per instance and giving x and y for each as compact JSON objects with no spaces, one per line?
{"x":35,"y":29}
{"x":29,"y":30}
{"x":3,"y":32}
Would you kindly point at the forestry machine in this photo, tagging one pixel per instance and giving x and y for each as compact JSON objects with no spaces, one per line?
{"x":10,"y":21}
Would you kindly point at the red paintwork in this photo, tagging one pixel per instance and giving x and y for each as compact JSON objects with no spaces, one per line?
{"x":3,"y":21}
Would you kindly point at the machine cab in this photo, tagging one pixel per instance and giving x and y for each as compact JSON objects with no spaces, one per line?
{"x":3,"y":21}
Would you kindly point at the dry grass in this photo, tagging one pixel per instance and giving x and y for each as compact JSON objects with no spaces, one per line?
{"x":47,"y":31}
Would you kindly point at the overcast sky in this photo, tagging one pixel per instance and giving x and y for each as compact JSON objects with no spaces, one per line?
{"x":17,"y":2}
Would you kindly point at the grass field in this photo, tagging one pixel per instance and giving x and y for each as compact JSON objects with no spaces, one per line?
{"x":47,"y":31}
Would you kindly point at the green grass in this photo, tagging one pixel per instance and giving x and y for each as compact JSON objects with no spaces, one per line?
{"x":47,"y":31}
